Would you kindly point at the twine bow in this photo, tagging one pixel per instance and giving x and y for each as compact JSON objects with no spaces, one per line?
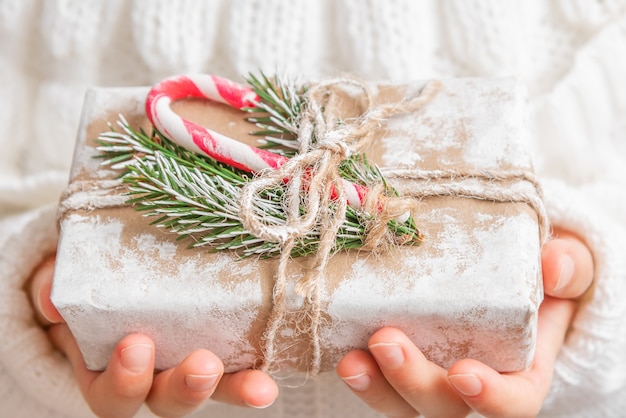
{"x":315,"y":198}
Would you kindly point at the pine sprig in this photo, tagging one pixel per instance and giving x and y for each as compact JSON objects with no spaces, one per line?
{"x":196,"y":197}
{"x":277,"y":114}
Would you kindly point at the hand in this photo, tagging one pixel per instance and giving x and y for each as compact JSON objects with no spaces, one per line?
{"x":129,"y":380}
{"x":396,"y":379}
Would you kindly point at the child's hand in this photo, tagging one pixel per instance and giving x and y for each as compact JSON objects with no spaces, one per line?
{"x":396,"y":379}
{"x":129,"y":381}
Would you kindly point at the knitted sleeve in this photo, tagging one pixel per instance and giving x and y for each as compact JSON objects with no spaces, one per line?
{"x":25,"y":352}
{"x":579,"y":126}
{"x":590,"y":372}
{"x":43,"y":376}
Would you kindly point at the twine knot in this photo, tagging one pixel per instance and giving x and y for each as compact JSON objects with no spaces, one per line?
{"x":336,"y":147}
{"x":315,"y":197}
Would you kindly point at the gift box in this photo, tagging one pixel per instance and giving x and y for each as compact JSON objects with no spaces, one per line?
{"x":472,"y":289}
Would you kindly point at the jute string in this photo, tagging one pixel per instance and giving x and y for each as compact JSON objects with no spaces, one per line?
{"x":523,"y":187}
{"x":315,"y":185}
{"x":325,"y":141}
{"x":89,"y":195}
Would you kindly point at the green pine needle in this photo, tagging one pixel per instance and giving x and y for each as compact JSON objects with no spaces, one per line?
{"x":196,"y":197}
{"x":277,"y":114}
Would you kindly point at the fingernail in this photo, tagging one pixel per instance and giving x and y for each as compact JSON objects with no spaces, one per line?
{"x":136,"y":358}
{"x":259,"y":406}
{"x":466,"y":384}
{"x":40,"y":301}
{"x":566,"y":273}
{"x":388,"y":355}
{"x":200,"y":382}
{"x":359,"y":382}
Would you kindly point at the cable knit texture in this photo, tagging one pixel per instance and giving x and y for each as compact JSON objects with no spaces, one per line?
{"x":569,"y":53}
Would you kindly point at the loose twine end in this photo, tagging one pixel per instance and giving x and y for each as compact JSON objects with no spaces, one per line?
{"x":325,"y":141}
{"x":379,"y":238}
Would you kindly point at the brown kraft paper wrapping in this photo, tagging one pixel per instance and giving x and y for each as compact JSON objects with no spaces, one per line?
{"x":472,"y":289}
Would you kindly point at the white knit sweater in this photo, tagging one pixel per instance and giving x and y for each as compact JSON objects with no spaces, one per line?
{"x":570,"y":53}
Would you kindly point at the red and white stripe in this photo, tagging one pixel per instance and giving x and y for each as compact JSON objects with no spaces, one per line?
{"x":205,"y":141}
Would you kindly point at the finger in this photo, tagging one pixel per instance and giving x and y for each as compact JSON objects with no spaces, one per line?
{"x":121,"y":389}
{"x":567,"y":266}
{"x":251,"y":388}
{"x":182,"y":389}
{"x":40,"y":287}
{"x":423,"y":384}
{"x":359,"y":371}
{"x":516,"y":394}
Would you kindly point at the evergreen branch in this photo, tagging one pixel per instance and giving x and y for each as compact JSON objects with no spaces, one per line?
{"x":277,"y":114}
{"x":196,"y":197}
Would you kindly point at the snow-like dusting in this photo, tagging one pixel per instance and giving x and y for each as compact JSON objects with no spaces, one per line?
{"x":482,"y":121}
{"x":107,"y":288}
{"x":101,"y":104}
{"x":165,"y":251}
{"x":86,"y":161}
{"x":453,"y":286}
{"x":124,"y":100}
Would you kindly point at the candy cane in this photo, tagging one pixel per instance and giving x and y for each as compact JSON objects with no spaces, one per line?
{"x":202,"y":140}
